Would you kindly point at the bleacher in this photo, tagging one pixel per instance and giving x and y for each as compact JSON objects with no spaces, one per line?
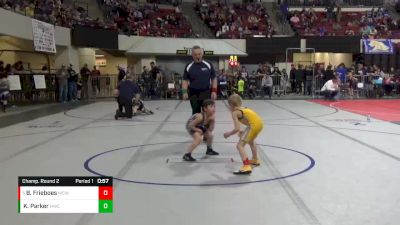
{"x":372,"y":24}
{"x":240,"y":20}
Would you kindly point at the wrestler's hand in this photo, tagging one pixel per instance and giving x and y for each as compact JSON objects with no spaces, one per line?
{"x":226,"y":135}
{"x":185,"y":96}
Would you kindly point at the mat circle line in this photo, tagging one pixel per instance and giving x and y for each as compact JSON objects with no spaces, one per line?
{"x":308,"y":168}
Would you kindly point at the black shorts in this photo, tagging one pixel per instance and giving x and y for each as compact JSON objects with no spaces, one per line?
{"x":191,"y":131}
{"x":196,"y":98}
{"x":199,"y":95}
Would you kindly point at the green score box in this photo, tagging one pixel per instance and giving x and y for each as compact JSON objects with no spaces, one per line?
{"x":105,"y":206}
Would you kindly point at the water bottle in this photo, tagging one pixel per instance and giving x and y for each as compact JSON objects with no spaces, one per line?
{"x":369,"y":118}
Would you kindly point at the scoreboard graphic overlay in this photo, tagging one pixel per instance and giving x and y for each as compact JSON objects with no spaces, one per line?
{"x":65,"y":194}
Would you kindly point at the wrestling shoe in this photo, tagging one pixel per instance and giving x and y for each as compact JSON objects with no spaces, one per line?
{"x":246,"y":169}
{"x":255,"y":162}
{"x":188,"y":158}
{"x":210,"y":151}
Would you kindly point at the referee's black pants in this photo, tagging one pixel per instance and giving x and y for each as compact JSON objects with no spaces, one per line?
{"x":124,"y":108}
{"x":196,"y":98}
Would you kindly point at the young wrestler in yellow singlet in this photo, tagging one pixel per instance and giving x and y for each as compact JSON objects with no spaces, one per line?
{"x":254,"y":125}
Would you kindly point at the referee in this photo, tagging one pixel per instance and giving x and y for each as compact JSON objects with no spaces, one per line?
{"x":199,"y":81}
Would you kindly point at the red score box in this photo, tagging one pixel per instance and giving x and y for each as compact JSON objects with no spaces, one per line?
{"x":105,"y":193}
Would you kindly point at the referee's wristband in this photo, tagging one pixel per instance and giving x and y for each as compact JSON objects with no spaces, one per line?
{"x":214,"y":90}
{"x":184,"y":91}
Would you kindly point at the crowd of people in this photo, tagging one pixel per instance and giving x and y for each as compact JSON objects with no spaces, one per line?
{"x":121,"y":15}
{"x":158,"y":82}
{"x":54,"y":12}
{"x":376,"y":23}
{"x":268,"y":80}
{"x":374,"y":81}
{"x":74,"y":86}
{"x":235,"y":20}
{"x":146,"y":20}
{"x":225,"y":20}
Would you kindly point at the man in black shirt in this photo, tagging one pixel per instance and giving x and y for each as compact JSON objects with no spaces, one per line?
{"x":126,"y":91}
{"x":329,"y":75}
{"x":154,"y":71}
{"x":299,"y":76}
{"x":85,"y":73}
{"x":121,"y":73}
{"x":292,"y":77}
{"x":155,"y":78}
{"x":72,"y":80}
{"x":147,"y":82}
{"x":197,"y":77}
{"x":308,"y":74}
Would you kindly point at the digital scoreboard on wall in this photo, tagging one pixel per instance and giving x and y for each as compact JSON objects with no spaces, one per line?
{"x":65,"y":194}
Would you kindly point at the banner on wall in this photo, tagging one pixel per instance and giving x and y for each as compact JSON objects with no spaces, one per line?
{"x":40,"y":81}
{"x":43,"y":36}
{"x":378,"y":46}
{"x":15,"y":82}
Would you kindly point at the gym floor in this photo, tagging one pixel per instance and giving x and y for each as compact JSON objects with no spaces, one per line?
{"x":321,"y":165}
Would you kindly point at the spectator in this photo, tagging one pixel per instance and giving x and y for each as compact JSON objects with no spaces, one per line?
{"x":295,"y":19}
{"x":284,"y":81}
{"x":147,"y":81}
{"x":322,"y":31}
{"x":336,"y":26}
{"x":299,"y":76}
{"x":261,"y":70}
{"x":62,"y":77}
{"x":292,"y":77}
{"x":338,"y":14}
{"x":349,"y":32}
{"x":241,"y":85}
{"x":94,"y":76}
{"x":8,"y":69}
{"x":95,"y":72}
{"x":4,"y":90}
{"x":329,"y":12}
{"x":331,"y":89}
{"x":388,"y":84}
{"x":18,"y":66}
{"x":308,"y":74}
{"x":85,"y":73}
{"x":222,"y":83}
{"x":352,"y":82}
{"x":361,"y":70}
{"x":267,"y":83}
{"x":342,"y":71}
{"x":243,"y":73}
{"x":72,"y":81}
{"x":45,"y":68}
{"x":379,"y":73}
{"x":252,"y":90}
{"x":121,"y":73}
{"x":155,"y":72}
{"x":225,"y":28}
{"x":30,"y":10}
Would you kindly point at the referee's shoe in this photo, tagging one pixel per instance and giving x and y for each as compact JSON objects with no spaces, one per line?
{"x":210,"y":151}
